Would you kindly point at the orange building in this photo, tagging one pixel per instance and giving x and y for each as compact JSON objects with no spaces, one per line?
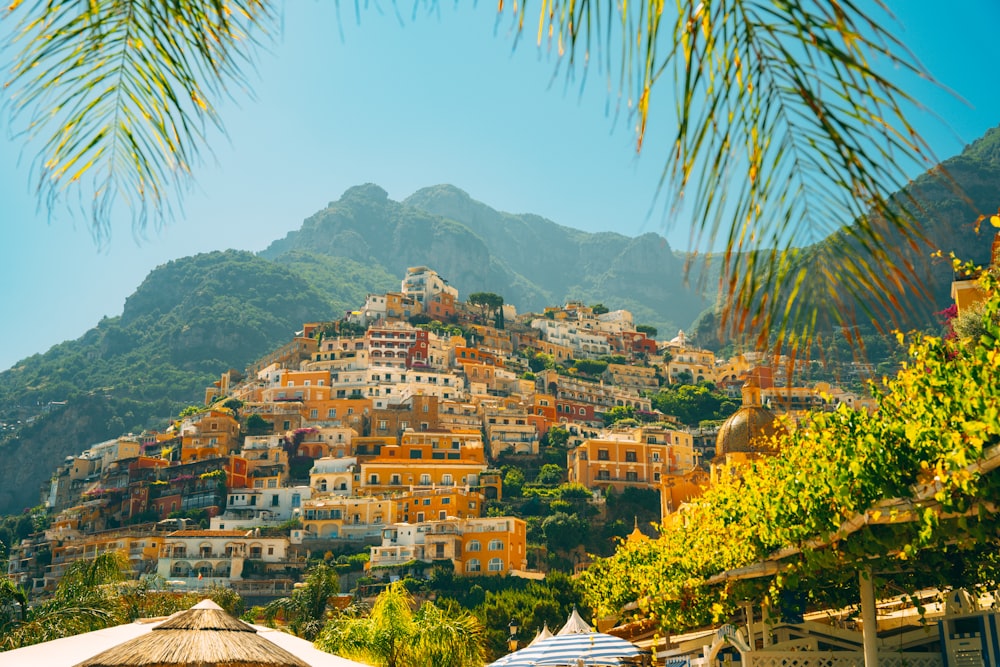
{"x":211,"y":434}
{"x":419,"y":411}
{"x":425,"y":460}
{"x":638,"y":458}
{"x":490,"y":545}
{"x":419,"y":505}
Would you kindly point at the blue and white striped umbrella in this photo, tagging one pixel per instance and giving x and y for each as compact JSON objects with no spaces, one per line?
{"x":573,"y":650}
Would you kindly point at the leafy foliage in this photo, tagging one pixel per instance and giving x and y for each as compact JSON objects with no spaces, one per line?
{"x":936,"y":419}
{"x":393,"y":635}
{"x":305,"y":610}
{"x":120,"y":93}
{"x":693,"y":404}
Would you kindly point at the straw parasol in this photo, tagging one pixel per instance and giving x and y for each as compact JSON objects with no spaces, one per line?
{"x":202,"y":636}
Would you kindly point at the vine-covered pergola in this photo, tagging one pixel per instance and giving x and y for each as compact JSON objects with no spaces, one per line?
{"x":906,"y":496}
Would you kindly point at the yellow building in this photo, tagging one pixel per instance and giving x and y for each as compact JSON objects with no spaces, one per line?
{"x":491,"y":545}
{"x":142,"y":548}
{"x":638,"y":458}
{"x":341,"y":517}
{"x":425,"y":459}
{"x":421,"y":505}
{"x":210,"y":434}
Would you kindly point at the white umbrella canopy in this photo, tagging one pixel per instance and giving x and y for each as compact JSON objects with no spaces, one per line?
{"x":575,"y":625}
{"x":575,"y":649}
{"x":69,"y":651}
{"x":544,"y":633}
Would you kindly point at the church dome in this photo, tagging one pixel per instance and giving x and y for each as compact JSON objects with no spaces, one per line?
{"x":749,"y":429}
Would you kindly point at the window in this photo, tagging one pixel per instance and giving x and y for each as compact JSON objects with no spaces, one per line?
{"x":496,"y":565}
{"x":274,"y":500}
{"x":272,"y":483}
{"x":496,"y":545}
{"x":631,"y":476}
{"x":314,"y":413}
{"x":446,"y":501}
{"x":603,"y":474}
{"x":394,"y":480}
{"x":373,"y":479}
{"x":416,"y":454}
{"x":630,"y":457}
{"x":446,"y":480}
{"x":270,"y":551}
{"x":474,"y":545}
{"x":425,"y":479}
{"x":602,"y":455}
{"x":473,"y":566}
{"x":656,"y":457}
{"x":383,"y":425}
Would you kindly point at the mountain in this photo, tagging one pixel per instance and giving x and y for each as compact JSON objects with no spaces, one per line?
{"x":530,"y":261}
{"x":195,"y":317}
{"x":190,"y":320}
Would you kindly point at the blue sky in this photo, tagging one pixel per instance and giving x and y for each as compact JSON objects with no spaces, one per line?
{"x":442,"y":98}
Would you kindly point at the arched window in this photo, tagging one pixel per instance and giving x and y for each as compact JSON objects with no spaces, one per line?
{"x":496,"y":565}
{"x":474,"y":545}
{"x":473,"y":566}
{"x":496,"y":545}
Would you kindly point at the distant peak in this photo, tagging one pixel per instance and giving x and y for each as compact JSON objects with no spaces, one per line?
{"x":368,"y":191}
{"x":442,"y":191}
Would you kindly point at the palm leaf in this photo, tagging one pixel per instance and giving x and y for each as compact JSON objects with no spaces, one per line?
{"x":786,"y":136}
{"x":785,"y":130}
{"x":120,"y":93}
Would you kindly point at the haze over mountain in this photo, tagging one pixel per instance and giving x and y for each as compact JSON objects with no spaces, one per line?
{"x":195,"y":317}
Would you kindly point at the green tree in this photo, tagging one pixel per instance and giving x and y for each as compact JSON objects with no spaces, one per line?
{"x":647,"y":329}
{"x":821,"y":137}
{"x":305,"y":611}
{"x":257,"y":425}
{"x":618,"y":413}
{"x":550,"y":474}
{"x":564,"y":532}
{"x":599,"y":309}
{"x":693,"y":404}
{"x":557,"y":436}
{"x":393,"y":635}
{"x":513,"y":482}
{"x":491,"y":304}
{"x":590,"y":366}
{"x":88,"y":597}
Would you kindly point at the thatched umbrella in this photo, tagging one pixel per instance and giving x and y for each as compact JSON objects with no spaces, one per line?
{"x":202,"y":636}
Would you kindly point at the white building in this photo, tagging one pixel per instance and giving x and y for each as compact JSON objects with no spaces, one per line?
{"x":584,"y":343}
{"x":252,"y":508}
{"x":422,"y":283}
{"x":204,"y":557}
{"x":336,"y":476}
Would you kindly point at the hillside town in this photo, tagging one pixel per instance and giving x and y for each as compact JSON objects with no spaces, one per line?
{"x":390,"y":435}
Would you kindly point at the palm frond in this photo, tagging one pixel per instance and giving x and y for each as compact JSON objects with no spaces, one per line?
{"x":120,"y":93}
{"x":786,"y":132}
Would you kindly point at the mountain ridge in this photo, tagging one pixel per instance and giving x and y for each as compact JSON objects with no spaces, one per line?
{"x":195,"y":317}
